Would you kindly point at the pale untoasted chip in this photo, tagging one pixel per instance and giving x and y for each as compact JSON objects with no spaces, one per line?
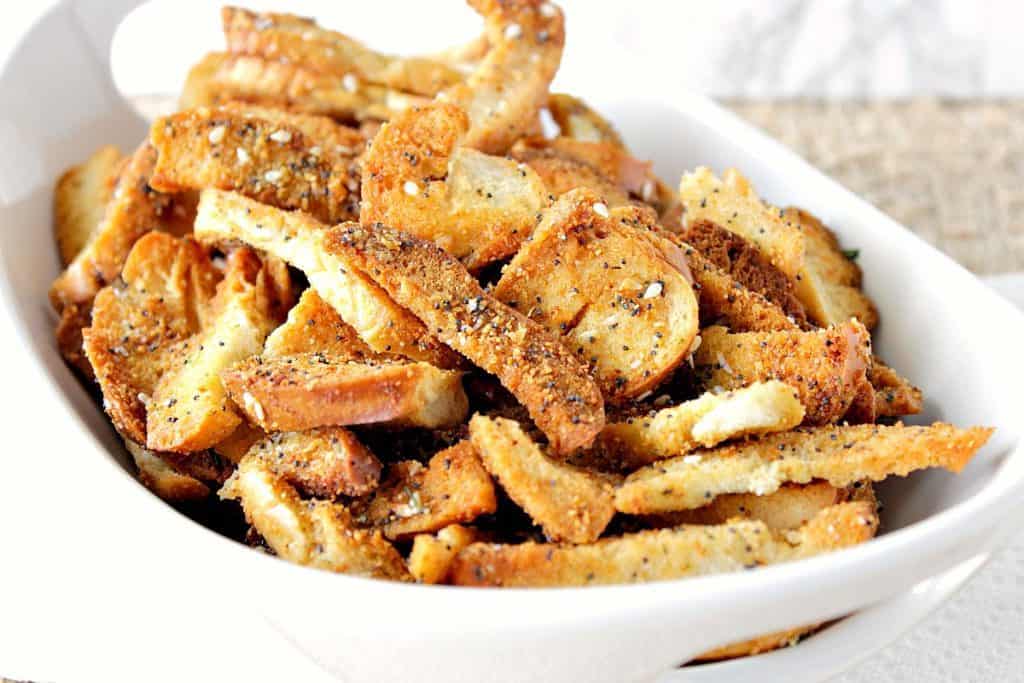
{"x":732,"y":203}
{"x":506,"y":91}
{"x":80,"y":200}
{"x":662,"y":555}
{"x":325,"y":463}
{"x":832,"y":290}
{"x":293,"y":39}
{"x":548,"y":380}
{"x":589,"y":275}
{"x":190,"y":410}
{"x":315,"y":533}
{"x":164,"y":296}
{"x":313,"y":326}
{"x":298,"y":239}
{"x":292,"y":161}
{"x":302,"y":391}
{"x":826,"y":367}
{"x":760,"y":408}
{"x":431,"y":557}
{"x":569,"y":503}
{"x":163,"y":479}
{"x":453,"y":488}
{"x":420,"y":178}
{"x":134,"y":210}
{"x":839,"y":455}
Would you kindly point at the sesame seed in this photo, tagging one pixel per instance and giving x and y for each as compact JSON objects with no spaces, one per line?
{"x":217,"y":134}
{"x":251,"y":404}
{"x":513,"y":31}
{"x":654,"y":289}
{"x":601,"y":209}
{"x":411,"y":188}
{"x":282,"y":136}
{"x":272,"y":176}
{"x":243,"y":156}
{"x":349,"y":82}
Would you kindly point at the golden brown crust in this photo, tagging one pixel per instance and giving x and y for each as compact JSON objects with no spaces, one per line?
{"x":571,"y":504}
{"x":827,"y":367}
{"x":506,"y":91}
{"x":839,"y":455}
{"x":561,"y":173}
{"x":431,"y":557}
{"x":324,"y":463}
{"x":453,"y":488}
{"x":743,"y":262}
{"x":298,"y":239}
{"x":316,"y":533}
{"x":662,"y":555}
{"x":163,"y":298}
{"x":895,"y":396}
{"x":80,"y":200}
{"x":293,"y":39}
{"x":756,"y":646}
{"x":562,"y":398}
{"x":292,"y":161}
{"x":189,"y":410}
{"x":69,"y":333}
{"x":591,"y":276}
{"x":302,"y":391}
{"x":419,"y":178}
{"x":135,"y":210}
{"x":163,"y":479}
{"x":577,"y":120}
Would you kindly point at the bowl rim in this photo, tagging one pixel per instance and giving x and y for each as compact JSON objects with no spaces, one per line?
{"x":952,"y":534}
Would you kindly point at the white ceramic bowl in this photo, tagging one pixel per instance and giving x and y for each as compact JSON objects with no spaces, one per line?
{"x":940,"y":326}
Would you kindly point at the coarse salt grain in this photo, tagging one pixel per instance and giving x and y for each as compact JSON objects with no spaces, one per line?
{"x":349,"y":82}
{"x":513,"y":31}
{"x":281,"y":136}
{"x":411,"y":188}
{"x":601,"y":209}
{"x":242,"y":155}
{"x":217,"y":134}
{"x":272,"y":176}
{"x":548,"y":10}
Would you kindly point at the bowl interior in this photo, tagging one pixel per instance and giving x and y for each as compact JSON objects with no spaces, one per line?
{"x":940,"y":327}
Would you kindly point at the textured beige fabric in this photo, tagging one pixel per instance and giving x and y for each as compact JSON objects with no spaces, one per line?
{"x":953,"y":172}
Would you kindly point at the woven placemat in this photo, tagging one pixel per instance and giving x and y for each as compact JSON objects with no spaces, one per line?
{"x":953,"y":172}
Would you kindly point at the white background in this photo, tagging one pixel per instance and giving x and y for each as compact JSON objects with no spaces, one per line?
{"x":88,"y":619}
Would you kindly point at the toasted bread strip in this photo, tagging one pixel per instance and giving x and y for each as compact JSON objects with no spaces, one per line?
{"x":577,"y":120}
{"x":221,"y":78}
{"x":70,"y":340}
{"x":315,"y":533}
{"x":569,"y":503}
{"x":431,"y":557}
{"x":324,"y":463}
{"x":561,"y":173}
{"x":895,"y":396}
{"x":590,"y":275}
{"x":833,"y":293}
{"x":662,"y":555}
{"x":826,"y":367}
{"x":756,"y":646}
{"x":289,"y":38}
{"x":80,"y":200}
{"x":760,"y":408}
{"x":453,"y":488}
{"x":164,"y":297}
{"x":163,"y":479}
{"x":273,"y":158}
{"x":419,"y":178}
{"x":294,"y":393}
{"x":745,"y":264}
{"x":313,"y":326}
{"x":732,"y":203}
{"x":294,"y":237}
{"x":235,"y":446}
{"x":792,"y":506}
{"x":839,"y":455}
{"x":544,"y":376}
{"x":190,"y":410}
{"x":506,"y":91}
{"x":135,"y":210}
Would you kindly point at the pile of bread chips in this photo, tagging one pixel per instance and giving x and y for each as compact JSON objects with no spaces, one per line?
{"x":415,"y":338}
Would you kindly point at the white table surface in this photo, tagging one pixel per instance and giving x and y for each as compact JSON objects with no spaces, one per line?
{"x":76,"y":608}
